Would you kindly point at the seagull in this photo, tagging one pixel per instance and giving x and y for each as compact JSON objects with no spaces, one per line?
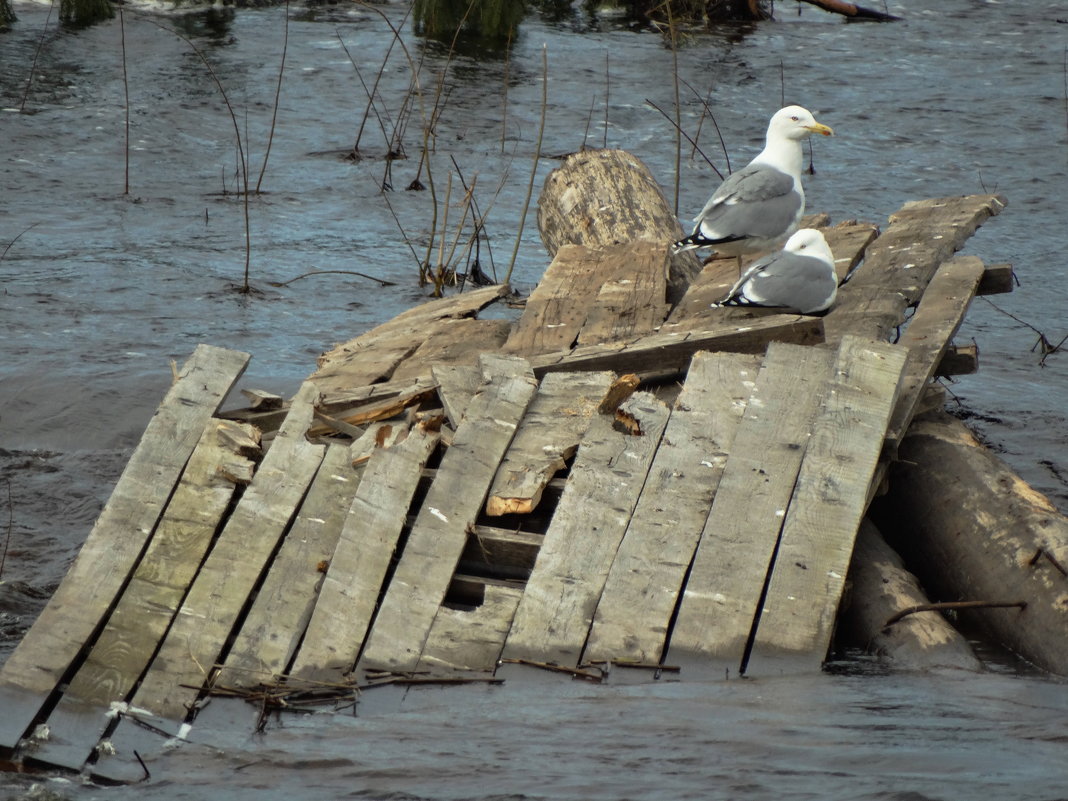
{"x":757,"y":207}
{"x":800,"y":277}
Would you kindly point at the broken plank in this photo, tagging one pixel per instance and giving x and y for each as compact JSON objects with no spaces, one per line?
{"x":665,"y":354}
{"x":727,"y":575}
{"x":928,"y":333}
{"x":509,"y":554}
{"x":646,"y":577}
{"x":221,"y":589}
{"x":145,"y":610}
{"x":547,"y":437}
{"x":457,"y":383}
{"x":555,"y":613}
{"x":470,"y":639}
{"x":450,"y":508}
{"x":630,"y":297}
{"x":798,"y":614}
{"x":453,"y":342}
{"x":354,"y":580}
{"x":557,"y":307}
{"x":77,"y":608}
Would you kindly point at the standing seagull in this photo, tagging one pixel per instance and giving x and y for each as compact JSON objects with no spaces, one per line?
{"x":757,"y":207}
{"x":801,"y":277}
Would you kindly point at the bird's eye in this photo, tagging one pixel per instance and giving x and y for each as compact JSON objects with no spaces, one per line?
{"x":795,"y":119}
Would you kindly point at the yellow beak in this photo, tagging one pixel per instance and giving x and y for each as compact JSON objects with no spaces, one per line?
{"x":821,"y":129}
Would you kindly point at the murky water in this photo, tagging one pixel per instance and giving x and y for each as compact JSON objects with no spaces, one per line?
{"x":101,"y":289}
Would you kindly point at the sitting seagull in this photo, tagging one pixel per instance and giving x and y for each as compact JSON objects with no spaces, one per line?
{"x":759,"y":206}
{"x":800,"y":277}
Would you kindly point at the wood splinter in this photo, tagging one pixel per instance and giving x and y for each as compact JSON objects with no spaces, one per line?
{"x":937,"y":607}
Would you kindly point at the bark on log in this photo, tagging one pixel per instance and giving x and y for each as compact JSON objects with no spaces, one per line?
{"x":882,"y":587}
{"x":599,"y":198}
{"x":974,"y":530}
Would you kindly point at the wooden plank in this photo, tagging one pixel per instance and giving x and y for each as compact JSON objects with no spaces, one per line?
{"x":554,"y":615}
{"x":670,"y":353}
{"x":274,"y":625}
{"x":454,"y":342}
{"x":354,"y":580}
{"x":646,"y":577}
{"x":457,"y":384}
{"x":631,"y":296}
{"x":723,"y":590}
{"x":471,"y":639}
{"x":557,"y":307}
{"x":547,"y":437}
{"x":945,"y":302}
{"x":798,"y":615}
{"x":997,"y":279}
{"x":849,"y":241}
{"x":509,"y":554}
{"x":211,"y":609}
{"x":958,"y":360}
{"x":899,"y":264}
{"x":152,"y":598}
{"x":451,"y":506}
{"x":77,"y":608}
{"x":374,"y":356}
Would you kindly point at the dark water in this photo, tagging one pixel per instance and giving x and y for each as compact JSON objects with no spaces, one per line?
{"x":101,"y":290}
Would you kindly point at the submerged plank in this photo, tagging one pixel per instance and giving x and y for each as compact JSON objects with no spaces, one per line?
{"x":798,"y":614}
{"x":554,"y":615}
{"x":77,"y":608}
{"x":547,"y":437}
{"x":358,"y":566}
{"x":470,"y":639}
{"x":143,"y":613}
{"x":450,"y":509}
{"x":221,"y":589}
{"x":274,"y":625}
{"x":723,"y":589}
{"x":648,"y":571}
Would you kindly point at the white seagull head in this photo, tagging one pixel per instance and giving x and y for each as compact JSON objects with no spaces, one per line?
{"x":795,"y":122}
{"x":810,"y":242}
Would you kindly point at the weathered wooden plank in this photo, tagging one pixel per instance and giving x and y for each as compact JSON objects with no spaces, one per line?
{"x":557,"y":307}
{"x":849,"y":241}
{"x":630,"y":299}
{"x":471,"y":639}
{"x":457,"y":384}
{"x":145,"y":610}
{"x":901,"y":262}
{"x":669,"y":353}
{"x":547,"y":437}
{"x":510,"y":554}
{"x":958,"y":360}
{"x":929,"y":331}
{"x":274,"y":625}
{"x":646,"y":577}
{"x":798,"y":614}
{"x":726,"y":578}
{"x":374,"y":356}
{"x":554,"y":615}
{"x":116,"y":540}
{"x":454,"y":342}
{"x":221,"y":589}
{"x":452,"y":505}
{"x":358,"y":566}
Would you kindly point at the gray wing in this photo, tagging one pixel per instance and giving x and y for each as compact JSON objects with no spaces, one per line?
{"x":756,"y":201}
{"x":790,"y":281}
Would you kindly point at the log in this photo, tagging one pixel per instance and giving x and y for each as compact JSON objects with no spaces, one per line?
{"x":973,"y":530}
{"x":882,"y":588}
{"x":853,"y":11}
{"x":600,"y":198}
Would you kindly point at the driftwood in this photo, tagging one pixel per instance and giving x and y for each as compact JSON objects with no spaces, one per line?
{"x":881,"y":589}
{"x":601,"y":198}
{"x":975,"y":531}
{"x":853,"y":11}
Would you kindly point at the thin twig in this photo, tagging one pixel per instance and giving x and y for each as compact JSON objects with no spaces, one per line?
{"x":1045,"y":346}
{"x":126,"y":95}
{"x":36,"y":55}
{"x":537,"y":156}
{"x":277,"y":97}
{"x":953,"y":605}
{"x":379,"y":281}
{"x":16,"y":239}
{"x":10,"y":526}
{"x":668,"y":118}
